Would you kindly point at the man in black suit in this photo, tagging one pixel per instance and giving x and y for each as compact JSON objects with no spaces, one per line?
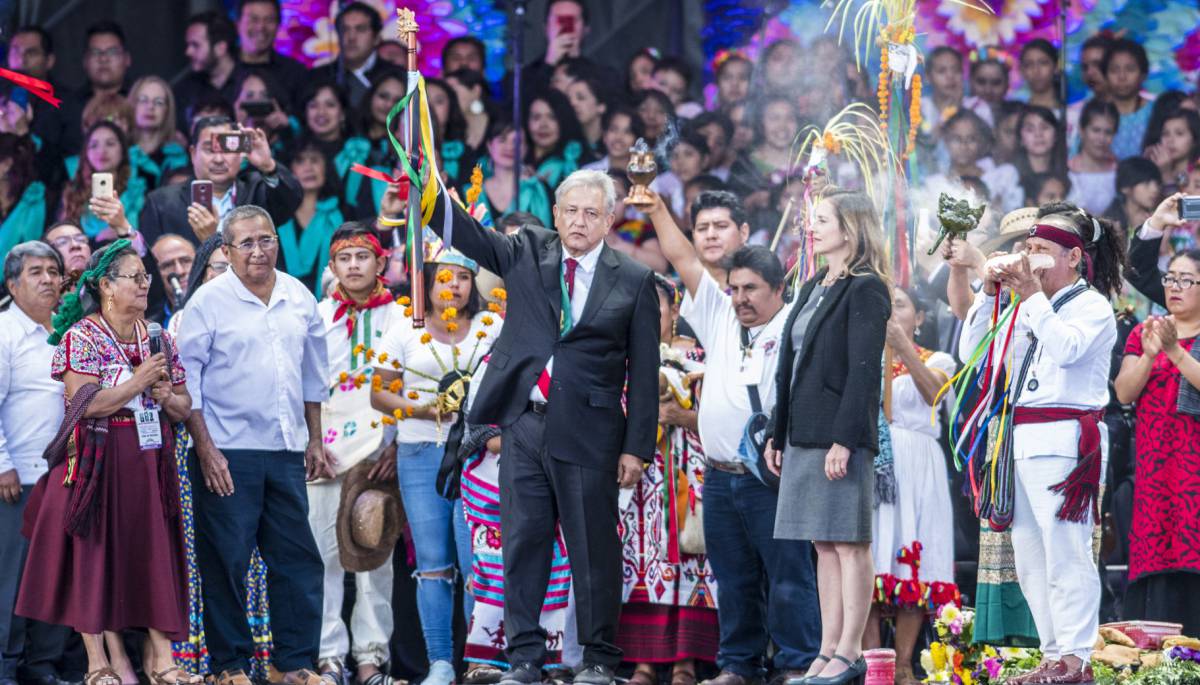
{"x":358,"y":29}
{"x":264,"y":182}
{"x":582,"y":325}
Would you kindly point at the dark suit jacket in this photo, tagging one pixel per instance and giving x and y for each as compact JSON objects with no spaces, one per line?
{"x":166,"y":208}
{"x":612,"y":347}
{"x":834,"y":395}
{"x":354,"y":89}
{"x":1143,"y":271}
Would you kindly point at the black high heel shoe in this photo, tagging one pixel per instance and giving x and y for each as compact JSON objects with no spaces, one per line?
{"x":854,"y":672}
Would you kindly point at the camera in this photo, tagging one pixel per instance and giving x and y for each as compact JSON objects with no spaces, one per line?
{"x":231,"y":142}
{"x":1189,"y":207}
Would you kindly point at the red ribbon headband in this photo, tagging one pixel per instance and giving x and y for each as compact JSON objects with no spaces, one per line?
{"x":364,"y":240}
{"x":1064,"y":238}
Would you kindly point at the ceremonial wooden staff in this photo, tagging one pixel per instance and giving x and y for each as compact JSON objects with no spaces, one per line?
{"x":415,"y":248}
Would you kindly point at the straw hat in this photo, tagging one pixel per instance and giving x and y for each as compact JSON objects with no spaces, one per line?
{"x":369,"y":520}
{"x":1015,"y":224}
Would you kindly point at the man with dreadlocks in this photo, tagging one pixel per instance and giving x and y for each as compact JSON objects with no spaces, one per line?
{"x":1060,"y":351}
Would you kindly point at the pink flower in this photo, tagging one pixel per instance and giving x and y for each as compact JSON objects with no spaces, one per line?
{"x":993,"y":666}
{"x":956,"y":626}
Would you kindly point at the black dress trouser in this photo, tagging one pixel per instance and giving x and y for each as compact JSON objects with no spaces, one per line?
{"x":536,"y":492}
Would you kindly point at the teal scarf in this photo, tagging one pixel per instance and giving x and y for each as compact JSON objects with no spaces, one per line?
{"x":554,"y":169}
{"x":174,"y":157}
{"x":531,"y":197}
{"x":26,"y":219}
{"x":304,"y":254}
{"x":356,"y":150}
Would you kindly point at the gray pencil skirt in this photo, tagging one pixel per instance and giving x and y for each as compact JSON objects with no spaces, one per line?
{"x":812,"y":507}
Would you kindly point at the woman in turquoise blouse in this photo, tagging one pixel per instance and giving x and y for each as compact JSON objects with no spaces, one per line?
{"x":22,"y":197}
{"x":304,"y":239}
{"x":498,"y":169}
{"x":556,"y":142}
{"x":104,"y":150}
{"x":155,"y":149}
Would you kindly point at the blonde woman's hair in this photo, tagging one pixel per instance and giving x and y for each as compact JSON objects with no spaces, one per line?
{"x":856,"y":216}
{"x":167,"y":128}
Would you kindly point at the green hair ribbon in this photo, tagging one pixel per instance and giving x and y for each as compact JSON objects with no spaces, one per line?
{"x":71,"y":310}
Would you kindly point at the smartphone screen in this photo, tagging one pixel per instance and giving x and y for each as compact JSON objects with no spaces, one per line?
{"x":566,"y":24}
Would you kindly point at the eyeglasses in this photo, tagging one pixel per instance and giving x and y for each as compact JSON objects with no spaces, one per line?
{"x":157,"y":102}
{"x":113,"y":52}
{"x":69,"y":240}
{"x":142,"y":278}
{"x":1181,"y":283}
{"x":219,"y":267}
{"x":247,"y":246}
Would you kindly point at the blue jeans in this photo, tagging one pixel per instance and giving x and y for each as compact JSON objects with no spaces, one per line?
{"x":766,"y":588}
{"x":440,"y":537}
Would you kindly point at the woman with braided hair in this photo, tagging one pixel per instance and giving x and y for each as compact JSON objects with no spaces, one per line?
{"x":105,"y":550}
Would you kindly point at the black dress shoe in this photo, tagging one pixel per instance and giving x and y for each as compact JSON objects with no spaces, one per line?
{"x":524,"y":673}
{"x":854,"y":671}
{"x":596,"y":674}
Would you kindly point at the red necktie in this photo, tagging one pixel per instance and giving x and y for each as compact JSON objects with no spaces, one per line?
{"x":570,"y":265}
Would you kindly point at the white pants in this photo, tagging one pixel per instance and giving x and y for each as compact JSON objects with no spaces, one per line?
{"x":371,"y":622}
{"x":1054,"y":560}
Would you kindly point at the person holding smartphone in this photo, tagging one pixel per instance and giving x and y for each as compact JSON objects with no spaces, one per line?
{"x":196,"y":208}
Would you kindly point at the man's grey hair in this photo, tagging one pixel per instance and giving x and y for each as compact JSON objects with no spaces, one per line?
{"x":589,"y":178}
{"x":245,"y":213}
{"x":14,"y":263}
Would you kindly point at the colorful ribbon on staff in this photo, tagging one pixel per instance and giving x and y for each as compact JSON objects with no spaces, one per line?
{"x":985,"y":393}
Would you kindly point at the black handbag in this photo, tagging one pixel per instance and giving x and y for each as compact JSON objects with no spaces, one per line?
{"x":755,"y":435}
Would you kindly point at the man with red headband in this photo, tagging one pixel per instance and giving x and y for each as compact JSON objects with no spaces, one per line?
{"x":1065,"y":331}
{"x":357,"y":313}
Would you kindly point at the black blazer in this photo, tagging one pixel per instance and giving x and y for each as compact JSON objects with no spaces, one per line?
{"x":834,"y":395}
{"x":166,"y":208}
{"x":1143,"y":273}
{"x":613,"y":347}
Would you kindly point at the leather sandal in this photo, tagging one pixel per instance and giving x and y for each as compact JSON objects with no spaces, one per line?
{"x":102,"y":676}
{"x":182,"y":677}
{"x":307,"y":677}
{"x":234,"y":677}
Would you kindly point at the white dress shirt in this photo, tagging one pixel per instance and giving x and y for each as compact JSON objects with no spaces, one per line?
{"x":724,"y":407}
{"x":1070,"y":365}
{"x":31,"y":403}
{"x":585,"y":270}
{"x":252,"y":366}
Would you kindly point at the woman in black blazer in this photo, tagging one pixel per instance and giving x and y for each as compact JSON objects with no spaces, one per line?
{"x":826,"y":422}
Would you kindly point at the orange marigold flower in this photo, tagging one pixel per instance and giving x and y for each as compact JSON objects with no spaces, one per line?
{"x":383,"y":357}
{"x":500,"y":293}
{"x":412,"y":395}
{"x":398,"y":413}
{"x":425,"y":338}
{"x":396,"y":385}
{"x":343,"y":377}
{"x":374,"y":424}
{"x":446,"y":295}
{"x":358,"y":349}
{"x":481,"y":335}
{"x":451,"y":327}
{"x":408,"y":311}
{"x":409,"y":411}
{"x":395,"y":363}
{"x":377,"y":382}
{"x":493,"y":307}
{"x":487,"y":320}
{"x":388,"y":420}
{"x":404,"y":301}
{"x":444,"y":276}
{"x":370,"y":353}
{"x":451,"y":312}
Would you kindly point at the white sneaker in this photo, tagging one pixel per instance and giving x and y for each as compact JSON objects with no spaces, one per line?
{"x":440,"y":673}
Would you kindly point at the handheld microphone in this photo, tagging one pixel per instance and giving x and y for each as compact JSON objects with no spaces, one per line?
{"x":154,"y":331}
{"x":178,"y":289}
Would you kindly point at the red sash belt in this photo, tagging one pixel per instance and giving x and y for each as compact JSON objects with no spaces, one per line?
{"x":1081,"y":489}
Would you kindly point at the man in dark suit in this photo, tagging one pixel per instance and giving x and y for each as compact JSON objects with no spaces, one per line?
{"x":582,"y":325}
{"x":264,"y":182}
{"x":358,"y":29}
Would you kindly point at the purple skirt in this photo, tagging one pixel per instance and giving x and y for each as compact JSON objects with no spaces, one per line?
{"x":128,"y":571}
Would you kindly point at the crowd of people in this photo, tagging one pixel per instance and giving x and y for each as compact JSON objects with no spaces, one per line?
{"x":624,"y":437}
